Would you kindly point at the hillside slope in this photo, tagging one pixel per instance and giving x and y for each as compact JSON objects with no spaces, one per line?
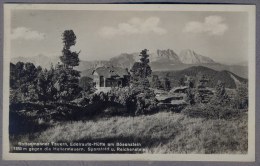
{"x":213,"y":76}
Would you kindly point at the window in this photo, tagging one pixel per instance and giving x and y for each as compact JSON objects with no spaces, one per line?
{"x":101,"y":81}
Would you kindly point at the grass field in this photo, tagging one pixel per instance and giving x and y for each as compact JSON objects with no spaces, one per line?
{"x":164,"y":132}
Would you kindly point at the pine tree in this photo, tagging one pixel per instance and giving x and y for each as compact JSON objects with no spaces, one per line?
{"x":156,"y":83}
{"x":144,"y":98}
{"x":220,"y":96}
{"x":141,"y":71}
{"x":45,"y":86}
{"x":42,"y":85}
{"x":69,"y":58}
{"x":241,"y":96}
{"x":202,"y":93}
{"x":181,"y":82}
{"x":67,"y":79}
{"x":166,"y":84}
{"x":23,"y":80}
{"x":190,"y":96}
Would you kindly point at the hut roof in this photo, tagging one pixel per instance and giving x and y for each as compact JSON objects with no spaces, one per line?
{"x":111,"y":72}
{"x":169,"y":96}
{"x":180,"y":88}
{"x":178,"y":102}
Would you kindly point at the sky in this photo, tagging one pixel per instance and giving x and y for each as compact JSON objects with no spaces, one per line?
{"x":222,"y":36}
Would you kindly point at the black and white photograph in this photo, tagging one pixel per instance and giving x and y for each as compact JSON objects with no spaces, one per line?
{"x":129,"y":82}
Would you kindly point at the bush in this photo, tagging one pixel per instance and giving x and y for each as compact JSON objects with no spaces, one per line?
{"x":209,"y":111}
{"x":146,"y":104}
{"x":134,"y":103}
{"x":115,"y":110}
{"x":142,"y":102}
{"x":240,"y":100}
{"x":169,"y":107}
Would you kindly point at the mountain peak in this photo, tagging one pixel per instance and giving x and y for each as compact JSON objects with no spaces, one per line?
{"x":166,"y":56}
{"x":188,"y":50}
{"x":191,"y":57}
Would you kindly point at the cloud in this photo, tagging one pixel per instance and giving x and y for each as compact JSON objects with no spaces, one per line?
{"x":134,"y":26}
{"x":27,"y":34}
{"x":213,"y":25}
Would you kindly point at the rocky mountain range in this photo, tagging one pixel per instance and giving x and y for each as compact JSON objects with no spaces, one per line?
{"x":162,"y":57}
{"x":161,"y":60}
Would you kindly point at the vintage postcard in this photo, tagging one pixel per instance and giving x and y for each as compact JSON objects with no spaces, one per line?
{"x":129,"y":82}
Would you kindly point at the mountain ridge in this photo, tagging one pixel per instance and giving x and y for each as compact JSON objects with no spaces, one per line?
{"x":194,"y":71}
{"x":162,"y":60}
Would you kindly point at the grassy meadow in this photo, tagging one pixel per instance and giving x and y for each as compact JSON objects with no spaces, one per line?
{"x":163,"y":132}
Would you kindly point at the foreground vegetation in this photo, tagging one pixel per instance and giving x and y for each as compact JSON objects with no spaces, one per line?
{"x":163,"y":132}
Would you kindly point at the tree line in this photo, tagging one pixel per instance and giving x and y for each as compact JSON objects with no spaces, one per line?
{"x":58,"y":84}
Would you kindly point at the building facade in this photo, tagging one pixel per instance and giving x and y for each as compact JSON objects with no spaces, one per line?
{"x":105,"y":78}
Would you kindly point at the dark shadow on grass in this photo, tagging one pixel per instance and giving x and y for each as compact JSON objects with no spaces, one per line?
{"x":20,"y":124}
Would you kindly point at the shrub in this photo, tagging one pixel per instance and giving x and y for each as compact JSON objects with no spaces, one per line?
{"x":209,"y":111}
{"x":115,"y":110}
{"x":136,"y":102}
{"x":240,"y":100}
{"x":220,"y":97}
{"x":190,"y":96}
{"x":169,"y":107}
{"x":87,"y":85}
{"x":121,"y":101}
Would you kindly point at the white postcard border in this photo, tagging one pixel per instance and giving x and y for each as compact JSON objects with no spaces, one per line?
{"x":250,"y":156}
